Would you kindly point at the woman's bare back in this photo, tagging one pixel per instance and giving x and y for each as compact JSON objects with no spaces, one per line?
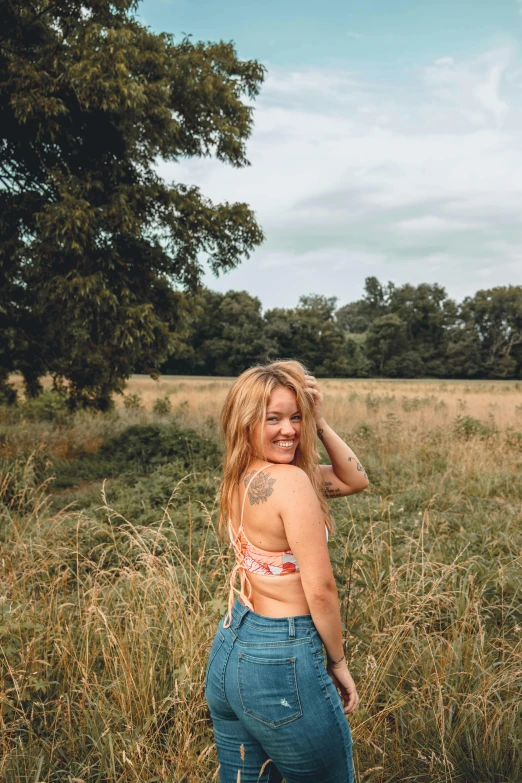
{"x":272,"y":596}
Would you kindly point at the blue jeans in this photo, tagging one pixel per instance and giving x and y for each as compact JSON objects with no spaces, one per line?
{"x":275,"y":710}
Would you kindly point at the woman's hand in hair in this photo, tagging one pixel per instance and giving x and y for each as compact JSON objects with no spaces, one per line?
{"x":313,"y":389}
{"x":345,"y":475}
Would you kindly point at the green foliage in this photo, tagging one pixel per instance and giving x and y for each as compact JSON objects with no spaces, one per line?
{"x":162,"y":405}
{"x":152,"y":444}
{"x":98,"y":253}
{"x":145,"y":498}
{"x":110,"y":608}
{"x":227,"y":335}
{"x":138,"y":451}
{"x":414,"y":403}
{"x":463,"y":352}
{"x":363,"y":431}
{"x":133,"y":402}
{"x":311,"y":334}
{"x":50,"y":405}
{"x":386,"y":342}
{"x":416,"y":331}
{"x":359,"y":364}
{"x":466,"y":427}
{"x":496,"y":317}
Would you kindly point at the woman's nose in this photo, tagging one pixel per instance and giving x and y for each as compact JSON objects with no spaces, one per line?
{"x":287,"y":428}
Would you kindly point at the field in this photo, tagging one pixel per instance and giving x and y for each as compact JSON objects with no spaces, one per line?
{"x":113,"y":582}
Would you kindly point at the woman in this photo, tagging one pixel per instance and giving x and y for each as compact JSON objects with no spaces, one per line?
{"x":274,"y":706}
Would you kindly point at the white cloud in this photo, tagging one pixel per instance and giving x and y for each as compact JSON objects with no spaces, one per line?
{"x":432,"y":224}
{"x":474,"y":86}
{"x":487,"y":94}
{"x":332,"y":259}
{"x":408,"y":182}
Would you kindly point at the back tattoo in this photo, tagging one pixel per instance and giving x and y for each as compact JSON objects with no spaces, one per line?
{"x":261,"y":487}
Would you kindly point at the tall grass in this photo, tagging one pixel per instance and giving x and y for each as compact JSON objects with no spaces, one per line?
{"x":103,"y":648}
{"x":108,"y":606}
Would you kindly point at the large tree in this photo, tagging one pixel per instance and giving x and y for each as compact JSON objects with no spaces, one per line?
{"x":309,"y":333}
{"x":428,"y":314}
{"x":405,"y":330}
{"x":96,"y":250}
{"x":226,"y":335}
{"x":496,"y":316}
{"x":356,"y":317}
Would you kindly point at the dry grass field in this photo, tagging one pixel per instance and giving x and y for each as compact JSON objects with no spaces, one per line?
{"x":114,"y":579}
{"x":424,"y":402}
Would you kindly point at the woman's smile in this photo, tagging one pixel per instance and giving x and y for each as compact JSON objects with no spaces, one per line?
{"x":284,"y":444}
{"x":282,"y":426}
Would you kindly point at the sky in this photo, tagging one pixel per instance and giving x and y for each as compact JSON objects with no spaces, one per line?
{"x":387,"y":142}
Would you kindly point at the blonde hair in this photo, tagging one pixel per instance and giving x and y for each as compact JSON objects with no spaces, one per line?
{"x":244,"y":409}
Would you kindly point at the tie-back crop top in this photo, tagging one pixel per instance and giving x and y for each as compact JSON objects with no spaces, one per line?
{"x":255,"y":560}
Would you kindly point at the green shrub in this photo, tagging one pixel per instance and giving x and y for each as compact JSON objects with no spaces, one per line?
{"x":162,"y":406}
{"x":143,"y":500}
{"x":363,"y":431}
{"x":138,"y":451}
{"x":50,"y":405}
{"x":414,"y":403}
{"x":133,"y":402}
{"x":372,"y":402}
{"x":149,"y":445}
{"x":466,"y":427}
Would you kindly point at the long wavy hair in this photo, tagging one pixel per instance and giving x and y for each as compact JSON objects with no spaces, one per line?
{"x":245,"y":408}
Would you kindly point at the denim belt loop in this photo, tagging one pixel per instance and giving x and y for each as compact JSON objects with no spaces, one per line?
{"x":241,"y":612}
{"x":291,"y":628}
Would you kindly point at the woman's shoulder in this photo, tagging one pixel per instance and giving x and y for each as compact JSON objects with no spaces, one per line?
{"x":275,"y":475}
{"x":285,"y":488}
{"x":282,"y":468}
{"x":292,"y":472}
{"x":283,"y":476}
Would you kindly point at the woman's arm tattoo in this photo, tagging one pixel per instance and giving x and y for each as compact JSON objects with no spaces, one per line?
{"x":320,"y":435}
{"x":331,"y":491}
{"x":359,"y":466}
{"x":260,"y":488}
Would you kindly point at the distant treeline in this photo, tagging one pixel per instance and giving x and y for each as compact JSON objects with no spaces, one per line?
{"x":392,"y":331}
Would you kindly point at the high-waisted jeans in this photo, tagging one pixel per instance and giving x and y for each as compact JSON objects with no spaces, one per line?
{"x":275,"y":709}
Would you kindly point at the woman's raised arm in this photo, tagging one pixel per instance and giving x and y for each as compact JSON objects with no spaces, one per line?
{"x":346,"y":475}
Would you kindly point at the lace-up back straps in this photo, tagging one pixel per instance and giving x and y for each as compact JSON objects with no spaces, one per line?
{"x":235,"y":538}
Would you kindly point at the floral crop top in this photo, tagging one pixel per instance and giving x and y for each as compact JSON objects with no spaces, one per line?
{"x":255,"y":560}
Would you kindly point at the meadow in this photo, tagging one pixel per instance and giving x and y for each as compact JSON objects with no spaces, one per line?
{"x":113,"y":581}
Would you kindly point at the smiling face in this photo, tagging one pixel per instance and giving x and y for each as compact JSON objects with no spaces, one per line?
{"x":279,"y":432}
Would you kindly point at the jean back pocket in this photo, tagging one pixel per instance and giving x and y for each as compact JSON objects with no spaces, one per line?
{"x":268,"y":689}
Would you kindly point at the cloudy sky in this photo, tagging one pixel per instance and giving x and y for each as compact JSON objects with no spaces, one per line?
{"x":387,"y":142}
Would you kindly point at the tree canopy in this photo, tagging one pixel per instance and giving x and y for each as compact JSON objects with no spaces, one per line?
{"x":97,"y":252}
{"x":392,"y":331}
{"x":101,"y":260}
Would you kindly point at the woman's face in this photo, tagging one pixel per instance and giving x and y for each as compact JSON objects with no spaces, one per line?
{"x":281,"y":428}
